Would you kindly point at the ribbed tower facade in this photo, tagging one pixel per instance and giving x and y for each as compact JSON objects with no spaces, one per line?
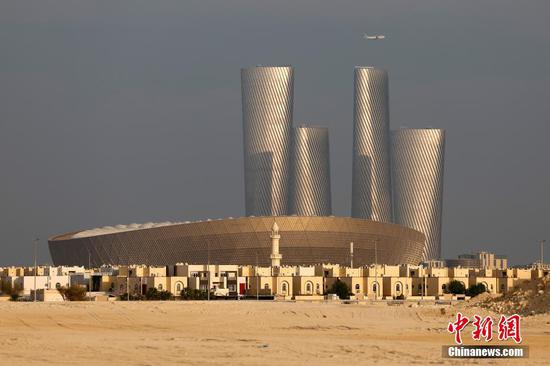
{"x":267,"y":104}
{"x":371,"y":184}
{"x":310,"y":172}
{"x":417,"y":176}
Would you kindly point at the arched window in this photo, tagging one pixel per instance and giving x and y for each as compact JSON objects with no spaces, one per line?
{"x":357,"y":288}
{"x":266,"y":286}
{"x":375,"y":288}
{"x":178,"y":287}
{"x":284,"y":288}
{"x":309,"y":287}
{"x":58,"y":285}
{"x":398,"y":287}
{"x":160,"y":286}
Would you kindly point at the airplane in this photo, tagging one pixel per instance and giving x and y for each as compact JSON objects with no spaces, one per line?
{"x":377,"y":37}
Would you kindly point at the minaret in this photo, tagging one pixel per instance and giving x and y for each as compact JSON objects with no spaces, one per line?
{"x":275,"y":256}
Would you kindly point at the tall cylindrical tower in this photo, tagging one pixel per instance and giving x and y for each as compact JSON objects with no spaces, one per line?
{"x":371,"y":184}
{"x":310,"y":172}
{"x":267,"y":102}
{"x":417,"y":158}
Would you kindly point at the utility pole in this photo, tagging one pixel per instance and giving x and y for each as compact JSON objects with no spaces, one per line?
{"x":376,"y":268}
{"x":424,"y":290}
{"x":208,"y":269}
{"x":257,"y":279}
{"x":90,"y":275}
{"x":542,"y":253}
{"x":35,"y":264}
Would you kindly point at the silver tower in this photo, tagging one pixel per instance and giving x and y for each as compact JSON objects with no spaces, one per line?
{"x":371,"y":185}
{"x":267,"y":102}
{"x":417,"y":177}
{"x":310,"y":172}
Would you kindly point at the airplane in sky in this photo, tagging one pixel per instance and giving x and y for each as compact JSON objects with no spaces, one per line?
{"x":377,"y":37}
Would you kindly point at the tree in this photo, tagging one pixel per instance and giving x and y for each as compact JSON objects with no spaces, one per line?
{"x":131,"y":297}
{"x":13,"y":291}
{"x":456,"y":287}
{"x":73,"y":293}
{"x":154,"y":294}
{"x":475,"y":290}
{"x":340,"y":288}
{"x":193,"y":294}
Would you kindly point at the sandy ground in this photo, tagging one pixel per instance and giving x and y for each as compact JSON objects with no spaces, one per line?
{"x":238,"y":333}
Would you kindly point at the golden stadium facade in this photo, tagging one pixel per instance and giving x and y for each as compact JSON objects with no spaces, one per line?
{"x":304,"y":240}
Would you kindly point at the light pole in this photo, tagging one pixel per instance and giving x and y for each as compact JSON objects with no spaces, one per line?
{"x":257,"y":279}
{"x":542,"y":253}
{"x":35,"y":264}
{"x":89,"y":275}
{"x":208,"y":270}
{"x":376,"y":268}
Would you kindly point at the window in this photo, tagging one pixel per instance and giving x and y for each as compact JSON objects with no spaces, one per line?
{"x":357,"y":288}
{"x":284,"y":288}
{"x":309,"y":288}
{"x":178,"y":287}
{"x":398,"y":287}
{"x":266,"y":286}
{"x":58,"y":285}
{"x":374,"y":287}
{"x":160,"y":286}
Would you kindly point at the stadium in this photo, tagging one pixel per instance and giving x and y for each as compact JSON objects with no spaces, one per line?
{"x":304,"y":240}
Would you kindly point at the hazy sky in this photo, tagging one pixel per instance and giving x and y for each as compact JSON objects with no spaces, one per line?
{"x":113,"y":112}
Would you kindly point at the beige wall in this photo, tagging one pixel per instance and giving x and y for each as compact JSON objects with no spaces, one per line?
{"x":308,"y":285}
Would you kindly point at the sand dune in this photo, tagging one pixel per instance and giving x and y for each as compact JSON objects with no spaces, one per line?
{"x":237,"y":333}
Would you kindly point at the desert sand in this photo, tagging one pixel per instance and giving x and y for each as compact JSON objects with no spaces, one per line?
{"x":240,"y":333}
